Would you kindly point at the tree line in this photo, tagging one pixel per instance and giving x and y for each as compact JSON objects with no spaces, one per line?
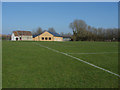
{"x":84,"y":32}
{"x":39,"y":30}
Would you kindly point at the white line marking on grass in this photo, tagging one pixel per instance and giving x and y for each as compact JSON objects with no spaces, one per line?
{"x":79,"y":60}
{"x":94,"y":53}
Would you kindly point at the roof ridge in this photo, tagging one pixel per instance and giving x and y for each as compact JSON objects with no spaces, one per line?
{"x":53,"y":33}
{"x":19,"y":33}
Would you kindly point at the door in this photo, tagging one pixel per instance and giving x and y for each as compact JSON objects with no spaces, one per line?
{"x":20,"y":38}
{"x":16,"y":39}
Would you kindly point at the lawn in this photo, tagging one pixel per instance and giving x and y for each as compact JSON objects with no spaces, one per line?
{"x":28,"y":65}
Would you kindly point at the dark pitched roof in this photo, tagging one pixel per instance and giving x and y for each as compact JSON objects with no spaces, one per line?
{"x":36,"y":35}
{"x":53,"y":33}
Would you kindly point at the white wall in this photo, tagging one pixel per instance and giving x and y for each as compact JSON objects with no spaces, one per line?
{"x":13,"y":37}
{"x":57,"y":39}
{"x":26,"y":37}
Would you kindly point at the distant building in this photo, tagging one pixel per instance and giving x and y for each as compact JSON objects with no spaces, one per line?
{"x":5,"y":37}
{"x":21,"y":35}
{"x":0,"y":36}
{"x":67,"y":37}
{"x":48,"y":36}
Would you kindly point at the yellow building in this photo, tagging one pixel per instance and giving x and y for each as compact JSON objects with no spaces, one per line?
{"x":48,"y":36}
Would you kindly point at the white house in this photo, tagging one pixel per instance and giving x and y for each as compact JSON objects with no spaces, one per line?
{"x":21,"y":35}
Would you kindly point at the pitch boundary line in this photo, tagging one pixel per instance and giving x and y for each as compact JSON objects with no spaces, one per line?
{"x":80,"y":60}
{"x":95,"y":53}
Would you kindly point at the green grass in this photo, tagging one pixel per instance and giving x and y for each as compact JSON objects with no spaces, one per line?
{"x":27,"y":65}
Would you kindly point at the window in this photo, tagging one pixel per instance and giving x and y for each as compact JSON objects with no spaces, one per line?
{"x":49,"y":38}
{"x":42,"y":38}
{"x":45,"y":38}
{"x":55,"y":39}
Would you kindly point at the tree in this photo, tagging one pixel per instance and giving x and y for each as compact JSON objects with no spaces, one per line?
{"x":33,"y":32}
{"x":68,"y":33}
{"x":62,"y":33}
{"x":39,"y":30}
{"x":79,"y":30}
{"x":51,"y":29}
{"x":83,"y":32}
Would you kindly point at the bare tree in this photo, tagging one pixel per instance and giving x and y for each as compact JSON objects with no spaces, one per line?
{"x":79,"y":29}
{"x":83,"y":32}
{"x":51,"y":29}
{"x":62,"y":33}
{"x":39,"y":30}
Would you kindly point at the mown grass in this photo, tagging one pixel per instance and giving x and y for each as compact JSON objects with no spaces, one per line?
{"x":27,"y":65}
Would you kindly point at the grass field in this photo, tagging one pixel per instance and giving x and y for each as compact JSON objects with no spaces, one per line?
{"x":28,"y":65}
